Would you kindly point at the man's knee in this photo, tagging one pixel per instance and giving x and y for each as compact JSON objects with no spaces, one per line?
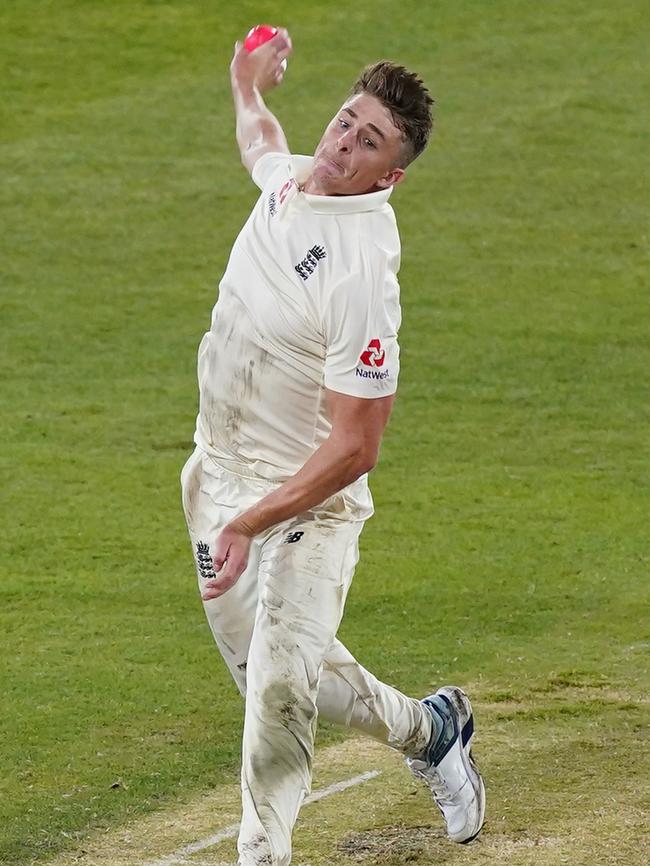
{"x":286,"y":702}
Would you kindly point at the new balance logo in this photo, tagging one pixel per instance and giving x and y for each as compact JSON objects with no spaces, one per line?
{"x":292,"y":537}
{"x":204,"y":561}
{"x":308,"y":265}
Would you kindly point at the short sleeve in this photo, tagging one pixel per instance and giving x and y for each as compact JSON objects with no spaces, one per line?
{"x":360,"y":322}
{"x":267,"y":165}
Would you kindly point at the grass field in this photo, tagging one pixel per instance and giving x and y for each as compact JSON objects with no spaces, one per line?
{"x":510,"y":548}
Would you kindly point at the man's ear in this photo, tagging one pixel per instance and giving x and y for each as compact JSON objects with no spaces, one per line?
{"x":395,"y":176}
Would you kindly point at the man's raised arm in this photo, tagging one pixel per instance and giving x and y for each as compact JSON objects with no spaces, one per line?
{"x":251,"y":75}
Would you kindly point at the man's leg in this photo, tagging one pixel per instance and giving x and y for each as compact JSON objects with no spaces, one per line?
{"x":305,"y":573}
{"x":442,"y":757}
{"x":350,"y":695}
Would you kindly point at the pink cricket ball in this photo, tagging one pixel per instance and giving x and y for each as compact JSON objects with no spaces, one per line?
{"x":258,"y":35}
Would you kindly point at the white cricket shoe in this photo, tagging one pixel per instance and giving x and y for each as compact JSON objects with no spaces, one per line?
{"x":447,"y":766}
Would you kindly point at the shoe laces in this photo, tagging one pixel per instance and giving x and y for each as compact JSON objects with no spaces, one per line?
{"x":436,"y":781}
{"x":440,"y":788}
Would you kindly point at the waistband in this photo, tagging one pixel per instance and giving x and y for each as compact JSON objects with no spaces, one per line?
{"x":241,"y":470}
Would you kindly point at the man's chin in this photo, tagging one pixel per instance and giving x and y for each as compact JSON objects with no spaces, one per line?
{"x":328,"y":181}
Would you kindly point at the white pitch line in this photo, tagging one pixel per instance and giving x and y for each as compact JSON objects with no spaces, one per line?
{"x":178,"y":857}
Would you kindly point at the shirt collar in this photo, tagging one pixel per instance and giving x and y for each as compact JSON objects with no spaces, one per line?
{"x":336,"y":204}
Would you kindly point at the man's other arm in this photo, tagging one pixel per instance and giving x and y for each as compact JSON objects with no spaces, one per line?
{"x":351,"y":450}
{"x":252,"y":74}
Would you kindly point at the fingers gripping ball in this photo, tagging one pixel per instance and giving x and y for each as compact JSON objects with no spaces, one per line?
{"x":260,"y":34}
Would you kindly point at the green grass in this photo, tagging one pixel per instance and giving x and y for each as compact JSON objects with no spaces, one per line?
{"x":510,"y":543}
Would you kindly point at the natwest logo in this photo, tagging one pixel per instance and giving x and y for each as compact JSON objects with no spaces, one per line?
{"x":374,"y":355}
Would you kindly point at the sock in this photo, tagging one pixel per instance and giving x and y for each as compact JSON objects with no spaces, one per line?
{"x":437,"y":725}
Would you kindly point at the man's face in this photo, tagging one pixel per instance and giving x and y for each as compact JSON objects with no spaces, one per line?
{"x":359,"y":151}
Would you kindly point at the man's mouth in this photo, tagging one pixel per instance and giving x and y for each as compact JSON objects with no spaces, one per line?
{"x":333,"y":163}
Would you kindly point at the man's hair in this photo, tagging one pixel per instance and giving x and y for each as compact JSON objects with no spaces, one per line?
{"x":407,"y":99}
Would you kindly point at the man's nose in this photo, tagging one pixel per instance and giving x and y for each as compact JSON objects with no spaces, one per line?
{"x":344,"y":141}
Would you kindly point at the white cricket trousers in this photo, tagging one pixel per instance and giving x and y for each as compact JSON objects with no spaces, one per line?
{"x":276,"y":629}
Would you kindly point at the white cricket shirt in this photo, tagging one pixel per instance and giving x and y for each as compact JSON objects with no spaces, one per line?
{"x":309,"y":300}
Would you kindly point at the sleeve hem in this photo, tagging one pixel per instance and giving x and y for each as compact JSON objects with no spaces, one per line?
{"x":259,"y":176}
{"x":348,"y":391}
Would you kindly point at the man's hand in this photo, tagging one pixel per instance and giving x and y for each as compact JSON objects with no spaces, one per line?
{"x":230,"y":559}
{"x":261,"y":69}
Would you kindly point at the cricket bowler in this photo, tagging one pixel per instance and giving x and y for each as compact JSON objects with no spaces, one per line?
{"x":297,"y":377}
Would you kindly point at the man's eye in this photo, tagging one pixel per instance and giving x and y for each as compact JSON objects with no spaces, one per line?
{"x":370,"y":142}
{"x":343,"y":123}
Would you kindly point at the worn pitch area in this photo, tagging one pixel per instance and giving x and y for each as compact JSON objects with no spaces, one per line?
{"x":557,"y":794}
